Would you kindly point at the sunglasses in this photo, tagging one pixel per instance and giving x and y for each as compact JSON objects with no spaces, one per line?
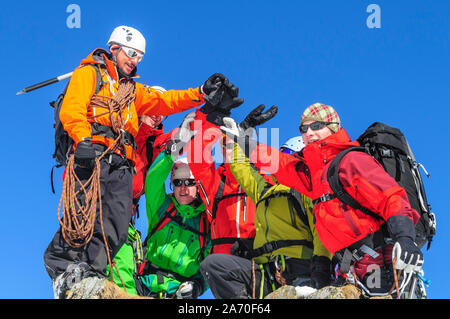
{"x":132,"y":53}
{"x":186,"y":182}
{"x":314,"y":126}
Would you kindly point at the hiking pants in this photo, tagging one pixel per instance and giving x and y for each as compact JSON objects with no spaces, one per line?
{"x":231,"y":277}
{"x":116,"y":184}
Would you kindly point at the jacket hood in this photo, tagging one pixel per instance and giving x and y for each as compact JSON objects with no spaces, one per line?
{"x":103,"y":57}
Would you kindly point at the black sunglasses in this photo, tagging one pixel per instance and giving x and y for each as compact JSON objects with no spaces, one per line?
{"x":186,"y":182}
{"x":314,"y":126}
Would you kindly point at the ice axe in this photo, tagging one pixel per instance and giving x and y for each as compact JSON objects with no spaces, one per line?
{"x":45,"y":83}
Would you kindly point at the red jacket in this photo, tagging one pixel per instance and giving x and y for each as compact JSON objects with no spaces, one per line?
{"x":234,"y":216}
{"x":144,"y":133}
{"x":337,"y":224}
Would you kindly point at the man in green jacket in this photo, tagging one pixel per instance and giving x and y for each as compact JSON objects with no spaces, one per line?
{"x":286,"y":250}
{"x":177,"y":239}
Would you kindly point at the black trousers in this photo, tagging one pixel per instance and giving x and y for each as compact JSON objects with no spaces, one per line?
{"x":231,"y":277}
{"x":116,"y":184}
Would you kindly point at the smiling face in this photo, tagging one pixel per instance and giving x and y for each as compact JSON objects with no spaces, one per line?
{"x":312,"y":136}
{"x":123,"y":61}
{"x":185,"y":195}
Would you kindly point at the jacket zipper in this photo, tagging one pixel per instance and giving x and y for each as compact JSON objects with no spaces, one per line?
{"x":238,"y":213}
{"x":267,"y":221}
{"x":244,"y":203}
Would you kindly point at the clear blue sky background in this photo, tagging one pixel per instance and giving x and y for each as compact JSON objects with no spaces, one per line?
{"x":287,"y":53}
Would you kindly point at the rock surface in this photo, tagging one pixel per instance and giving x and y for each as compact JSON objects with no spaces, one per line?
{"x":330,"y":292}
{"x":96,"y":288}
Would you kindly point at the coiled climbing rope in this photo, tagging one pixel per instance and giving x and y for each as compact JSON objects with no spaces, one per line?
{"x":79,"y":207}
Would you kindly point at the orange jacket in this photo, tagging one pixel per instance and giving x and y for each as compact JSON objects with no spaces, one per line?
{"x":76,"y":110}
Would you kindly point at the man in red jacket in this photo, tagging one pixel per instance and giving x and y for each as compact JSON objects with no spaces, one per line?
{"x":230,"y":211}
{"x":356,"y":239}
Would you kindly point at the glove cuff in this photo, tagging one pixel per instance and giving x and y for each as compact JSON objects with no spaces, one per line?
{"x":401,"y":226}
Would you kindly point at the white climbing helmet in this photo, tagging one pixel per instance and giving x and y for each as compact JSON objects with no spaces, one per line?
{"x":127,"y":36}
{"x":293,"y":145}
{"x":181,"y":170}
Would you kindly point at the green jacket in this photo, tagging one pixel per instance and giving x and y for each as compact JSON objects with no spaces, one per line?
{"x":175,"y":248}
{"x":277,"y":217}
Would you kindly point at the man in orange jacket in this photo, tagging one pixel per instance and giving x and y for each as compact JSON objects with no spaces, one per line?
{"x":94,"y":119}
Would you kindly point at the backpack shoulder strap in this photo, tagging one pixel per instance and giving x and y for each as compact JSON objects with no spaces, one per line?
{"x":219,"y":195}
{"x":299,"y":206}
{"x":294,"y":199}
{"x":338,"y":189}
{"x":99,"y":79}
{"x":166,"y":215}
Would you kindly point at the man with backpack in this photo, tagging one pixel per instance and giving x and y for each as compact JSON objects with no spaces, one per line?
{"x":177,"y":240}
{"x":364,"y":244}
{"x":100,"y":113}
{"x":286,"y":249}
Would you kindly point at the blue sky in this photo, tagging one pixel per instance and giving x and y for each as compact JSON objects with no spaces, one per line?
{"x":285,"y":53}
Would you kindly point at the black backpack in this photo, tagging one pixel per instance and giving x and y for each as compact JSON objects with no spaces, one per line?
{"x":63,"y":142}
{"x":390,"y":148}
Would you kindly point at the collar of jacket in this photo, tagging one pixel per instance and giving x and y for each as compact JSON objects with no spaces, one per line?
{"x":103,"y":57}
{"x":320,"y":153}
{"x":187,"y":211}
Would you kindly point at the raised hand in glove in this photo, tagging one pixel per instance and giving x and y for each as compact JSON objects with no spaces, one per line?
{"x":230,"y":128}
{"x":188,"y":290}
{"x":406,"y":254}
{"x":320,"y":271}
{"x":237,"y":134}
{"x":257,"y":117}
{"x":221,"y":101}
{"x":213,"y":83}
{"x":85,"y":154}
{"x":181,"y":137}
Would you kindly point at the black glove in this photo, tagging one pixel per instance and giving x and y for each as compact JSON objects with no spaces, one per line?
{"x":257,"y":117}
{"x":214,"y":82}
{"x":320,"y":271}
{"x":406,"y":253}
{"x":85,"y":154}
{"x":220,"y":102}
